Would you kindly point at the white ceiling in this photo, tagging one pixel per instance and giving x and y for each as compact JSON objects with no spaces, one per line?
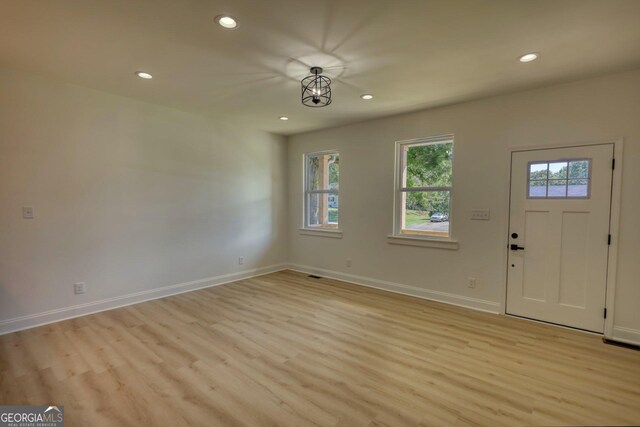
{"x":410,"y":54}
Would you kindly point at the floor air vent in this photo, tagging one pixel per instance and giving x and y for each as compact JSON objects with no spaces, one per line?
{"x":313,"y":276}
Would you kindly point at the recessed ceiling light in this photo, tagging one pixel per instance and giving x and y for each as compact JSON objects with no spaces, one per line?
{"x":284,"y":118}
{"x":529,"y":57}
{"x":144,"y":75}
{"x":227,"y":21}
{"x":366,"y":96}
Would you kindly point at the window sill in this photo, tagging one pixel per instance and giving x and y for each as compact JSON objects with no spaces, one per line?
{"x":321,"y":232}
{"x":425,"y":242}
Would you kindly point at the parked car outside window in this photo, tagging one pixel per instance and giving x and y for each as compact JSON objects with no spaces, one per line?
{"x":439,"y":217}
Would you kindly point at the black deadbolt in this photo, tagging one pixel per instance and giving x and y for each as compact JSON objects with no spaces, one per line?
{"x":514,"y":235}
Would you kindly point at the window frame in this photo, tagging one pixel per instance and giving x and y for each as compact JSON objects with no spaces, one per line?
{"x":398,"y":232}
{"x":307,"y":192}
{"x":546,"y":180}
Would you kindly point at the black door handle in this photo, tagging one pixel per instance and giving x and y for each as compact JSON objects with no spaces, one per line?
{"x":515,"y":247}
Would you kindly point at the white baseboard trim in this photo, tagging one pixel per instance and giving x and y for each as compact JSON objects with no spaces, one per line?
{"x":39,"y":319}
{"x":626,"y":335}
{"x":621,"y":334}
{"x":459,"y":300}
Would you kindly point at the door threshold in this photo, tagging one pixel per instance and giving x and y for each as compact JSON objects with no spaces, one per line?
{"x":621,"y":344}
{"x":572,"y":328}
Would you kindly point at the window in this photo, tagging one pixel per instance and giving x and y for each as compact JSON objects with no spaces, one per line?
{"x":423,"y":196}
{"x":322,"y":172}
{"x":566,"y":179}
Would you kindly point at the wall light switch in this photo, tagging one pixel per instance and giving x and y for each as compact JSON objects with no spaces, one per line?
{"x":79,"y":288}
{"x":480,"y":214}
{"x":27,"y":212}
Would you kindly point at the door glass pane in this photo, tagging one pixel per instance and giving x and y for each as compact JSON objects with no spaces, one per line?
{"x":579,"y":169}
{"x":538,"y":188}
{"x":578,"y":188}
{"x":428,"y":165}
{"x":558,"y":170}
{"x":557,"y":188}
{"x":538,"y":171}
{"x":559,"y":180}
{"x":426,"y":212}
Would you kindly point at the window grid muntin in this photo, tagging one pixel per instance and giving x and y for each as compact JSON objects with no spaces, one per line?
{"x":566,"y":180}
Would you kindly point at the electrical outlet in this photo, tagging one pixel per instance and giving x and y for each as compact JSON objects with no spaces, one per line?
{"x":348,"y":262}
{"x":79,"y":288}
{"x":27,"y":212}
{"x":472,"y":282}
{"x":240,"y":260}
{"x":480,"y":214}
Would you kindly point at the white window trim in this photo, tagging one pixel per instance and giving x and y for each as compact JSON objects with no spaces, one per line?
{"x":424,"y":242}
{"x":306,"y":229}
{"x":321,"y":232}
{"x":399,"y":238}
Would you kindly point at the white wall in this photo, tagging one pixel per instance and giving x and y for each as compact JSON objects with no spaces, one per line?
{"x":129,"y":197}
{"x":134,"y":199}
{"x":594,"y":109}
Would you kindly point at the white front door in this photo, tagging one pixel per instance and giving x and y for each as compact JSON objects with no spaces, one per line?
{"x":558,"y":235}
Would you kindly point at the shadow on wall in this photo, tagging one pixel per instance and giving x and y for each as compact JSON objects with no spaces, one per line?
{"x":259,"y":230}
{"x":7,"y":299}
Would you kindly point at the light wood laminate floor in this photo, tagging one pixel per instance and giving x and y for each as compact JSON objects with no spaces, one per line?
{"x":284,"y":349}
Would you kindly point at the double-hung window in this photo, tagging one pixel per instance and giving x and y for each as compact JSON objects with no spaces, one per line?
{"x":321,"y":186}
{"x":423,"y":187}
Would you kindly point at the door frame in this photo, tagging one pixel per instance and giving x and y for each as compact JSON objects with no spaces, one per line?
{"x":614,"y":222}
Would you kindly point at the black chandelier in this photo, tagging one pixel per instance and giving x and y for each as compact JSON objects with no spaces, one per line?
{"x":316,"y":89}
